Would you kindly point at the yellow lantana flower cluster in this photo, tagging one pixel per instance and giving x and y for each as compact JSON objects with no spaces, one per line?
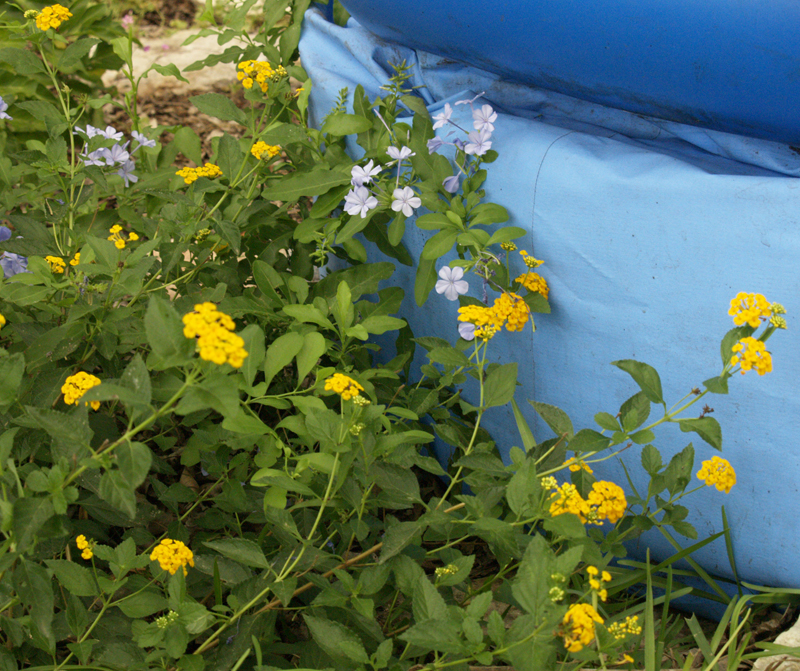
{"x":345,"y":386}
{"x":529,"y":260}
{"x":117,"y":238}
{"x":259,"y":72}
{"x":3,"y":321}
{"x":606,"y":501}
{"x":598,"y":583}
{"x":719,"y":473}
{"x":76,"y":259}
{"x":509,"y":309}
{"x":193,"y":174}
{"x":259,"y":149}
{"x":620,"y":630}
{"x":172,"y":555}
{"x":752,"y":353}
{"x":57,"y":264}
{"x":85,"y":547}
{"x":75,"y":386}
{"x":534,"y":282}
{"x":577,"y":627}
{"x":508,"y":246}
{"x":749,"y":309}
{"x":52,"y":17}
{"x":576,"y":464}
{"x":215,"y":340}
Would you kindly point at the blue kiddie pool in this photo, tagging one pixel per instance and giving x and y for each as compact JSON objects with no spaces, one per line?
{"x":649,"y":151}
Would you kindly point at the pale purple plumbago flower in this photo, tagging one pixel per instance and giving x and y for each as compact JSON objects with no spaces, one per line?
{"x":466,"y":330}
{"x":484,"y":118}
{"x":359,"y":201}
{"x":362,"y":176}
{"x":451,"y":184}
{"x":110,"y":133}
{"x":400,"y":154}
{"x":126,"y":172}
{"x":443,"y":118}
{"x":469,"y":101}
{"x":451,"y":283}
{"x":142,"y":139}
{"x":479,"y":143}
{"x":459,"y":144}
{"x":434,"y":144}
{"x":97,"y":157}
{"x":11,"y":263}
{"x":117,"y":154}
{"x":405,"y":200}
{"x":90,"y":131}
{"x":3,"y":108}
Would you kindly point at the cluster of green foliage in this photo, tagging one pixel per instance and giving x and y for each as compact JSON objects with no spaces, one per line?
{"x":313,"y":544}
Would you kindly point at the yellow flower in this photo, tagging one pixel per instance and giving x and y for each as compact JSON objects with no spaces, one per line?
{"x":534,"y":282}
{"x":3,"y":321}
{"x":57,"y":264}
{"x":529,"y":260}
{"x":566,"y":499}
{"x":261,"y":72}
{"x":118,"y":238}
{"x":607,"y":502}
{"x":577,"y":627}
{"x":508,"y":246}
{"x":512,"y":310}
{"x":719,"y":473}
{"x":85,"y":547}
{"x":260,"y":148}
{"x":345,"y":386}
{"x":620,"y":630}
{"x":76,"y":260}
{"x":752,"y":353}
{"x":75,"y":386}
{"x":192,"y":174}
{"x":598,"y":585}
{"x":172,"y":555}
{"x":576,"y":464}
{"x":52,"y":17}
{"x":215,"y":340}
{"x":749,"y":309}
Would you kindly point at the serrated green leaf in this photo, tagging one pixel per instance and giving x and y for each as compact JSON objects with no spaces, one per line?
{"x":555,"y":418}
{"x":219,"y":106}
{"x":707,"y":428}
{"x":240,"y":550}
{"x":499,"y":386}
{"x":645,"y":376}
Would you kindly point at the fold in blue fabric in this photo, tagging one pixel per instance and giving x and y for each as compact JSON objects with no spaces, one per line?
{"x":648,"y":229}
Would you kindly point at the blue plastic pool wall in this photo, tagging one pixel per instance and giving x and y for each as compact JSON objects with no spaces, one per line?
{"x":646,"y":237}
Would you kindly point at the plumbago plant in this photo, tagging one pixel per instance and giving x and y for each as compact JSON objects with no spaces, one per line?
{"x":202,"y":464}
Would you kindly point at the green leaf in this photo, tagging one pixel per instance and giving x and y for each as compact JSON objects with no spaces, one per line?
{"x":397,"y":538}
{"x":281,"y":352}
{"x":115,"y":489}
{"x":525,"y":433}
{"x":651,"y":459}
{"x":137,"y":379}
{"x":425,"y":280}
{"x":253,"y":336}
{"x":531,"y":585}
{"x":415,"y":104}
{"x":363,"y":279}
{"x":314,"y":346}
{"x":74,"y":578}
{"x":219,"y":106}
{"x":505,"y":234}
{"x":449,"y":356}
{"x":635,"y":411}
{"x":72,"y":55}
{"x":554,"y":417}
{"x":645,"y":376}
{"x":717,"y":385}
{"x":12,"y":368}
{"x":143,"y":604}
{"x":643,"y":437}
{"x":489,"y":213}
{"x":524,"y":490}
{"x":35,"y":589}
{"x":30,"y":514}
{"x":314,"y":183}
{"x":229,"y":155}
{"x":336,"y":640}
{"x":441,"y":635}
{"x":607,"y":421}
{"x":707,"y":428}
{"x":439,"y":245}
{"x":168,"y":70}
{"x":685,"y":529}
{"x":134,"y":461}
{"x":588,"y":440}
{"x":397,"y":229}
{"x":21,"y":60}
{"x":678,"y":473}
{"x":427,"y":603}
{"x":342,"y":123}
{"x":730,"y":339}
{"x":499,"y":386}
{"x":164,"y":331}
{"x":240,"y":550}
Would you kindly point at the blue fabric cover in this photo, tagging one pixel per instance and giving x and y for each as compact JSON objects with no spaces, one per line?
{"x":648,"y":228}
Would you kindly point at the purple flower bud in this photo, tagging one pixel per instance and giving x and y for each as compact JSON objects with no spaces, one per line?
{"x":434,"y":144}
{"x":451,"y":184}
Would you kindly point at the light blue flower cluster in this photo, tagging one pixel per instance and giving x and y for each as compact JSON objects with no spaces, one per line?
{"x":3,"y":108}
{"x":478,"y":141}
{"x":116,"y":155}
{"x":9,"y":262}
